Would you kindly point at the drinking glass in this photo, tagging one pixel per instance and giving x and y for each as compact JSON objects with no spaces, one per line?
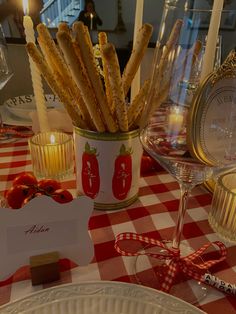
{"x":222,"y":216}
{"x":175,"y":78}
{"x":5,"y":69}
{"x":52,"y":155}
{"x":5,"y":75}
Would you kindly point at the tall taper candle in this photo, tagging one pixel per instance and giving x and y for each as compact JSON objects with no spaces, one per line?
{"x":91,"y":21}
{"x":137,"y":25}
{"x":36,"y":77}
{"x":212,"y":36}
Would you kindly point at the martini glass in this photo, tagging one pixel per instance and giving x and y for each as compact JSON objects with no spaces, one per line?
{"x":176,"y":74}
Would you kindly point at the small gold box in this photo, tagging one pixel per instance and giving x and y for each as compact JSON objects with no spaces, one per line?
{"x":44,"y":268}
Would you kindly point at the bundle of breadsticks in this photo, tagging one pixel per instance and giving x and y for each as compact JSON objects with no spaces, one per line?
{"x":70,"y":69}
{"x":170,"y":67}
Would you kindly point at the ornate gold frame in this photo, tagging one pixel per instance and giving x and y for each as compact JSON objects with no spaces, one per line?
{"x":227,"y":70}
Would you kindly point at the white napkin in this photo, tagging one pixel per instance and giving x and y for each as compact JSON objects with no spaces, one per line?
{"x":59,"y":120}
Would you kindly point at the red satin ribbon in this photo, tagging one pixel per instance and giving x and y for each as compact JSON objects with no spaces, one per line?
{"x":185,"y":264}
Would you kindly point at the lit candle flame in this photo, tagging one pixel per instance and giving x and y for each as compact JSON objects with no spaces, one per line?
{"x":52,"y":139}
{"x":25,"y":7}
{"x":91,"y":21}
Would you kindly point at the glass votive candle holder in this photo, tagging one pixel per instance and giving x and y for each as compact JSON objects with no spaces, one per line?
{"x":222,"y":216}
{"x":52,"y":155}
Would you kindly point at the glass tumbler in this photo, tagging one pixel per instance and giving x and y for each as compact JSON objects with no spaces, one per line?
{"x":222,"y":216}
{"x":52,"y":155}
{"x":5,"y":69}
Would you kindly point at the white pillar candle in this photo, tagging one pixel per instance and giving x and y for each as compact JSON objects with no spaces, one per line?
{"x":35,"y":75}
{"x":135,"y":87}
{"x":212,"y":36}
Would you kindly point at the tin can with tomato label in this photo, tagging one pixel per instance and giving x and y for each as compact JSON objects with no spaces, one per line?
{"x":108,"y":167}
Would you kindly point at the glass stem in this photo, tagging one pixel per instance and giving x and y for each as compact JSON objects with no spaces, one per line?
{"x":185,"y":190}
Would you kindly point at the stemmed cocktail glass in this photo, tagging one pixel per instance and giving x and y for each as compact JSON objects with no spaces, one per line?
{"x":175,"y":79}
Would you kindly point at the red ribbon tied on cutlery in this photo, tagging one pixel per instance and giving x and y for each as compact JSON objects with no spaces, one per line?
{"x":128,"y":244}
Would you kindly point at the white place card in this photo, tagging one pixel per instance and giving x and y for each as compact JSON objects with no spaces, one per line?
{"x":43,"y":226}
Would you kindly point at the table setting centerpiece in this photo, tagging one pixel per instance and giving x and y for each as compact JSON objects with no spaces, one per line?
{"x":99,"y":112}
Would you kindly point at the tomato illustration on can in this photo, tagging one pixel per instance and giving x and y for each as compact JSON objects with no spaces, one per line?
{"x":122,"y":177}
{"x":90,"y":171}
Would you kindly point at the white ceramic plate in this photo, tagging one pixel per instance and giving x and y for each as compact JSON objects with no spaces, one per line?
{"x":11,"y":119}
{"x":99,"y":297}
{"x":21,"y":106}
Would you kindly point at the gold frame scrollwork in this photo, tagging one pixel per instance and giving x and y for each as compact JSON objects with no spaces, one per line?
{"x":227,"y":70}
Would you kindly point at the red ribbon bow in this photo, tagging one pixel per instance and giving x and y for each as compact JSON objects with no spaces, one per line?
{"x":186,"y":264}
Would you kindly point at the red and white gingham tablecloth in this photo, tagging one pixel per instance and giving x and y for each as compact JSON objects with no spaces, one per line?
{"x":154,"y":215}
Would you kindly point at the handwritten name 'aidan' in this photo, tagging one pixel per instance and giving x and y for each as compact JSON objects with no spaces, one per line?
{"x":37,"y":229}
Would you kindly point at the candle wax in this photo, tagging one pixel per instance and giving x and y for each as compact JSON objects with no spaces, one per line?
{"x":212,"y":36}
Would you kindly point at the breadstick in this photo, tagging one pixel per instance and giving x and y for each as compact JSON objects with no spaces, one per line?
{"x":72,"y":92}
{"x":187,"y":64}
{"x":57,"y":64}
{"x":64,"y":27}
{"x":180,"y":71}
{"x":87,"y":34}
{"x":84,"y":71}
{"x":51,"y":49}
{"x":85,"y":30}
{"x":110,"y":56}
{"x":78,"y":54}
{"x":170,"y":45}
{"x":195,"y":51}
{"x":56,"y":86}
{"x":85,"y":74}
{"x":49,"y":58}
{"x":186,"y":71}
{"x":94,"y":77}
{"x":75,"y":67}
{"x":102,"y":39}
{"x":138,"y":103}
{"x":157,"y":78}
{"x":197,"y":47}
{"x":137,"y":54}
{"x":171,"y":42}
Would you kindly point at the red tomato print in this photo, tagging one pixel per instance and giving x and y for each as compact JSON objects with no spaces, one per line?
{"x":122,"y":177}
{"x":90,"y":171}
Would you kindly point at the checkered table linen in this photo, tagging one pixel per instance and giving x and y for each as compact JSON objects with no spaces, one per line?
{"x":153,"y":214}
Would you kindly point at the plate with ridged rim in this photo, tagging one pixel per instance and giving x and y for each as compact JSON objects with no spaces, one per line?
{"x":21,"y":106}
{"x":99,"y":297}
